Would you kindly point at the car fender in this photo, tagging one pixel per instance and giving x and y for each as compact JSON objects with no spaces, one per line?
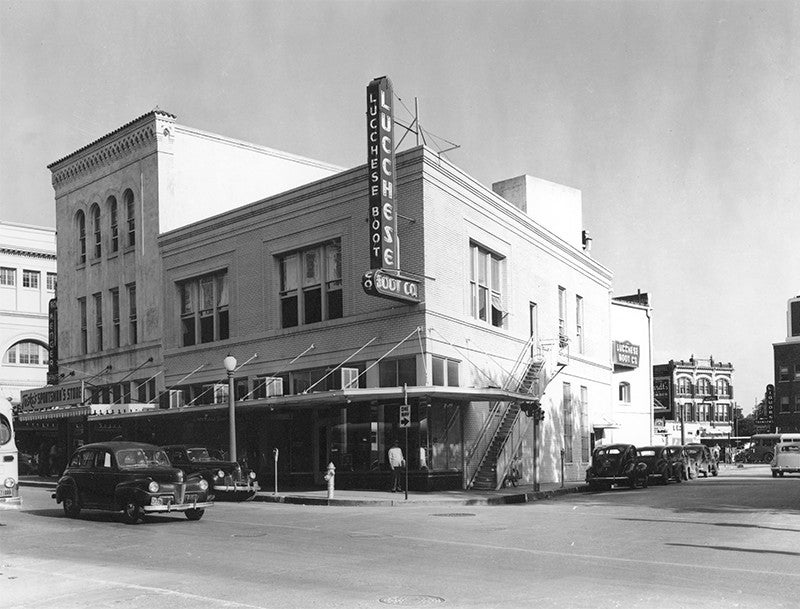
{"x":132,"y":488}
{"x":65,"y":484}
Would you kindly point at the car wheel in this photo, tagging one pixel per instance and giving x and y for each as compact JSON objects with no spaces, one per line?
{"x":767,"y":458}
{"x":72,"y":507}
{"x":131,"y":512}
{"x":195,"y":514}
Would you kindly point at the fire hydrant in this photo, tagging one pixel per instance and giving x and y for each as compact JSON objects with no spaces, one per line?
{"x":329,"y":476}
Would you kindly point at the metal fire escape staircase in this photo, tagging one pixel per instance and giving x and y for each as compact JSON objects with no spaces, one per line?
{"x":506,"y":425}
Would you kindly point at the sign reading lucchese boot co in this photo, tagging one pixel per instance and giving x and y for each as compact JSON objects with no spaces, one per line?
{"x":385,"y":278}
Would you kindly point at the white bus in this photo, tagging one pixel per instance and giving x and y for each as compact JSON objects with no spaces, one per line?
{"x":9,"y":457}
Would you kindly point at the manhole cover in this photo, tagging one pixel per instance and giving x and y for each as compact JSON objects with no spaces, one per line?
{"x":454,"y":515}
{"x":413,"y":600}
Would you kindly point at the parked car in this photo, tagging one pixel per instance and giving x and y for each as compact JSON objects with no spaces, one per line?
{"x":129,"y":477}
{"x":616,"y":464}
{"x":786,"y":459}
{"x":702,"y":459}
{"x":226,"y":478}
{"x":659,"y":466}
{"x":679,"y":462}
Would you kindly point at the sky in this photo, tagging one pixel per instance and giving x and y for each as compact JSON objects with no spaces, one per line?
{"x":678,"y":121}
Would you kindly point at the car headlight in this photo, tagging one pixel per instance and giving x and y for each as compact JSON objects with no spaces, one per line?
{"x":9,"y":482}
{"x":220,"y":474}
{"x":252,"y":475}
{"x":153,"y":487}
{"x":203,"y":484}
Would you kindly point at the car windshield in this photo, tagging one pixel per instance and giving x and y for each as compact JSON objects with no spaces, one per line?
{"x":198,"y":454}
{"x":694,"y":452}
{"x":133,"y":458}
{"x":609,"y":452}
{"x":646,"y":453}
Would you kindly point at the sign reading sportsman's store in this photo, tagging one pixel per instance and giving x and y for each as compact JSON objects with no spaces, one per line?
{"x":626,"y":354}
{"x":384,"y":279}
{"x":52,"y":396}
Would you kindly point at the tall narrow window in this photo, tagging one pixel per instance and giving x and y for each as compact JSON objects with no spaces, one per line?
{"x":51,"y":282}
{"x":585,"y":437}
{"x":625,"y":392}
{"x":112,"y":214}
{"x":562,"y":317}
{"x":133,"y":325}
{"x":115,"y":324}
{"x":486,"y":281}
{"x":533,"y":315}
{"x":81,"y":238}
{"x":579,"y":322}
{"x":30,"y":279}
{"x":98,"y":238}
{"x":311,"y":284}
{"x":130,"y":216}
{"x":84,"y":328}
{"x":98,"y":321}
{"x":204,"y":309}
{"x":567,"y":402}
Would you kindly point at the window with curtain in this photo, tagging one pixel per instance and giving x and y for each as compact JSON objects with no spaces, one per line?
{"x":486,"y":286}
{"x":311,"y":284}
{"x":204,"y":309}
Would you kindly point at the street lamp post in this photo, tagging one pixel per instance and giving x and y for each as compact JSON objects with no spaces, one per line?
{"x":230,"y":365}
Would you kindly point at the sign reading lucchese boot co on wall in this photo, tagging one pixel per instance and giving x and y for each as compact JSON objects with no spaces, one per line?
{"x":384,"y":279}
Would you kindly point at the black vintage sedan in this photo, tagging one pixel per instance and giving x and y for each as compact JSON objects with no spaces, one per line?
{"x":227,"y":478}
{"x":659,"y":466}
{"x":132,"y":478}
{"x":616,"y":464}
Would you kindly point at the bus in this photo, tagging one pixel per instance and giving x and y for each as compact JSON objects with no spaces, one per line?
{"x":762,"y":446}
{"x":9,"y":464}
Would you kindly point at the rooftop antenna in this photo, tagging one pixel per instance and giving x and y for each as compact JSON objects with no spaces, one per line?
{"x":415,"y":127}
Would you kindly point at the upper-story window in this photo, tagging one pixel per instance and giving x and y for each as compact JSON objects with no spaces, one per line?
{"x":115,"y":320}
{"x":783,"y":373}
{"x":204,"y":309}
{"x":579,"y":323}
{"x":81,"y":220}
{"x":96,"y":228}
{"x":684,"y":386}
{"x":130,"y":216}
{"x":703,"y":386}
{"x":83,"y":322}
{"x":445,"y":371}
{"x":25,"y":352}
{"x":111,"y":203}
{"x":311,"y":284}
{"x":30,"y":279}
{"x":625,"y":392}
{"x":133,"y":320}
{"x":723,"y":388}
{"x":486,"y":281}
{"x":562,"y":317}
{"x":52,"y":282}
{"x":8,"y":276}
{"x":397,"y":372}
{"x":98,"y":321}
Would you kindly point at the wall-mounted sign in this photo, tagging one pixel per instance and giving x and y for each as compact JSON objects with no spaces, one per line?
{"x":395,"y":286}
{"x":380,"y":168}
{"x":626,"y":354}
{"x":52,"y":342}
{"x":69,"y":394}
{"x":662,"y":391}
{"x":769,"y":402}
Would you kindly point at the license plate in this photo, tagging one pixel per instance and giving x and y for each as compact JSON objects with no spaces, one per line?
{"x":5,"y":492}
{"x":191,"y":498}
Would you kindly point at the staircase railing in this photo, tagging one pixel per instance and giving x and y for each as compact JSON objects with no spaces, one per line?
{"x":493,"y":421}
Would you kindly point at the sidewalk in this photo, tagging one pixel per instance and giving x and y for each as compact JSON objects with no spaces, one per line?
{"x":520,"y":494}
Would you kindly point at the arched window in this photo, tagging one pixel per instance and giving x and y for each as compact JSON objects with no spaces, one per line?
{"x":703,"y":386}
{"x":684,"y":386}
{"x":625,"y":392}
{"x":111,"y":204}
{"x":130,"y":216}
{"x":95,"y":213}
{"x":723,"y":388}
{"x":27,"y":353}
{"x":81,"y":238}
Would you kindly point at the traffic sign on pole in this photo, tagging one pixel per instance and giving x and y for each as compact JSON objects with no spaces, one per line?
{"x":405,"y":415}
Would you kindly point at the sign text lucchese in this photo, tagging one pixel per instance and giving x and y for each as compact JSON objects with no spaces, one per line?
{"x":626,"y":354}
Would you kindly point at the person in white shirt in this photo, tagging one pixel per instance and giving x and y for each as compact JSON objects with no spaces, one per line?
{"x":396,"y":463}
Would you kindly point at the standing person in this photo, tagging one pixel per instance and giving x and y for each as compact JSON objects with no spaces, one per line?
{"x":396,"y":463}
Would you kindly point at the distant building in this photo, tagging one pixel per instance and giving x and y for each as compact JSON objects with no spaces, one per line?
{"x":693,"y":400}
{"x":27,"y":284}
{"x":631,"y":419}
{"x":786,"y":415}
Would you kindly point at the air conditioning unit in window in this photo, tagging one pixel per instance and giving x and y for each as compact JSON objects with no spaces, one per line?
{"x":349,"y":378}
{"x":273,"y":385}
{"x":176,"y":399}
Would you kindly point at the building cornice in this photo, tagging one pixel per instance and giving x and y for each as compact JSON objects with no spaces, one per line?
{"x":13,"y":251}
{"x":120,"y":143}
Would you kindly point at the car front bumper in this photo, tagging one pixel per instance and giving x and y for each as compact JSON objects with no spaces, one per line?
{"x":177,"y":507}
{"x":236,"y":487}
{"x":786,"y":470}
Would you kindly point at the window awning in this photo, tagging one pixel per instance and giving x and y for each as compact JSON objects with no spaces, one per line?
{"x":604,"y":423}
{"x":54,"y":413}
